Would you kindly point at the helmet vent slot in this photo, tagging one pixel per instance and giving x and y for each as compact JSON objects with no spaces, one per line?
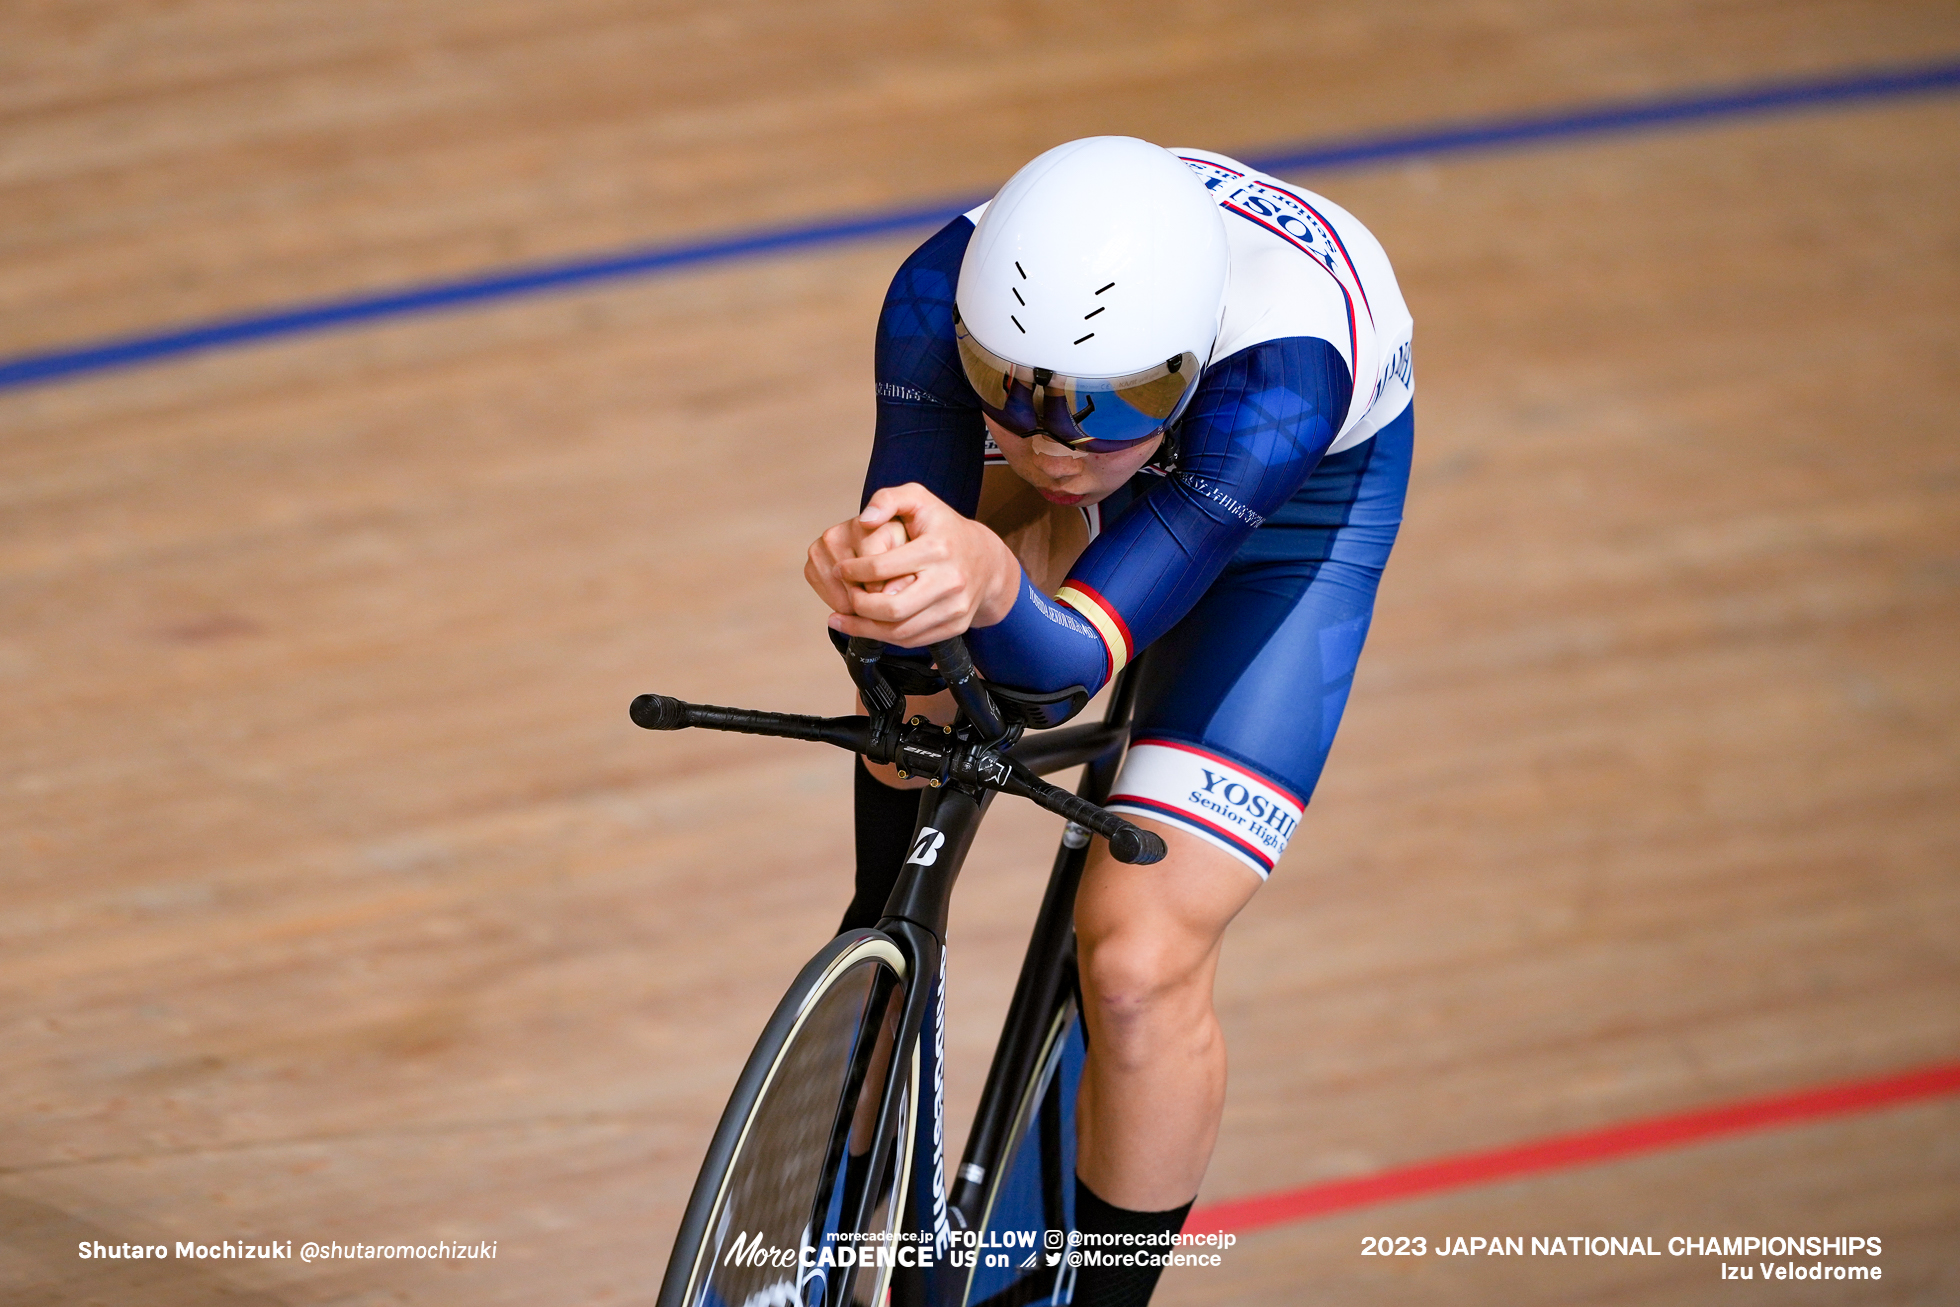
{"x":1017,"y":322}
{"x":1085,"y":338}
{"x":1098,"y":292}
{"x":1087,"y":316}
{"x":1024,"y":272}
{"x":1017,"y":296}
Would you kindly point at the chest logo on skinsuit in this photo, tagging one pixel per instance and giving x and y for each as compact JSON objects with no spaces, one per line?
{"x":1281,"y":213}
{"x":1275,"y":207}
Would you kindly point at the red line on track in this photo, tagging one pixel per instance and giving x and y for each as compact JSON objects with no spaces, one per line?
{"x":1563,"y":1152}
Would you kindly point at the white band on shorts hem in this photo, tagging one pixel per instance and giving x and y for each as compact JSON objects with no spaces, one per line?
{"x":1220,"y":801}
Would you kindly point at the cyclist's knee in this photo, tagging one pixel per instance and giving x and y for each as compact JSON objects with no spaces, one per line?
{"x":1146,"y":976}
{"x":1147,"y":938}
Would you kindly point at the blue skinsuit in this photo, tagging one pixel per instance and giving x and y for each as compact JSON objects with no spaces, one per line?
{"x":1250,"y":566}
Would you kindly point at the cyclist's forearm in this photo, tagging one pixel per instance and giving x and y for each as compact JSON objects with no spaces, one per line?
{"x":1040,"y":645}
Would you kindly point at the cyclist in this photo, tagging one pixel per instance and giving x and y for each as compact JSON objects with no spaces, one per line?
{"x":1142,"y":397}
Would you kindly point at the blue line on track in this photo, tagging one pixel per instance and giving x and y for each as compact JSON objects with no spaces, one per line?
{"x":1457,"y":138}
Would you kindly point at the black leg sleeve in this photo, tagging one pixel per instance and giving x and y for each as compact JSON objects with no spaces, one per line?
{"x":1121,"y":1286}
{"x":885,"y":820}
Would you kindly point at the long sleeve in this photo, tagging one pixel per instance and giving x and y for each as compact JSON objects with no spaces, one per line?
{"x":929,"y":426}
{"x":1259,"y":424}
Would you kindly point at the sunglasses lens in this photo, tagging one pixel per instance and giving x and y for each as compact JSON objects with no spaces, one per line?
{"x":1114,"y":413}
{"x":1094,"y":414}
{"x":1158,"y":397}
{"x":984,"y":371}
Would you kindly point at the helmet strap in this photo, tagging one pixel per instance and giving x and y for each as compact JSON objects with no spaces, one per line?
{"x":1165,"y":459}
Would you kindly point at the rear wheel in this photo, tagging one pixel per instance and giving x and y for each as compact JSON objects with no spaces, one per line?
{"x":788,"y":1171}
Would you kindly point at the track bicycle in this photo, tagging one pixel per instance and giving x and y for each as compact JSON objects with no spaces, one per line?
{"x":825,"y":1181}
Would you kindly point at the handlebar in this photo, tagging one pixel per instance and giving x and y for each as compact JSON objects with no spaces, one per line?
{"x":940,"y":754}
{"x":657,"y":712}
{"x":1127,"y":843}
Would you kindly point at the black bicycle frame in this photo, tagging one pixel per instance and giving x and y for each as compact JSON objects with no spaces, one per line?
{"x":916,"y":917}
{"x":1048,"y":968}
{"x":964,"y":767}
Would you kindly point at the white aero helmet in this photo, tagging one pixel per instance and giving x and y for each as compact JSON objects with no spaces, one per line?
{"x":1090,"y":293}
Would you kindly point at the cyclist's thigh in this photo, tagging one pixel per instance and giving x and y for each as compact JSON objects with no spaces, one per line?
{"x":1239,"y":702}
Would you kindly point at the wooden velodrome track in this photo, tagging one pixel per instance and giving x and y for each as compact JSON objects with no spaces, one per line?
{"x":342,"y":902}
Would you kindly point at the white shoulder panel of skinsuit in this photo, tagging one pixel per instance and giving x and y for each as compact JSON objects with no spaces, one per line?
{"x":1304,"y":266}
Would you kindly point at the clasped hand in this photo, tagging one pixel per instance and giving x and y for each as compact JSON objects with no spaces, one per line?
{"x":910,"y":570}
